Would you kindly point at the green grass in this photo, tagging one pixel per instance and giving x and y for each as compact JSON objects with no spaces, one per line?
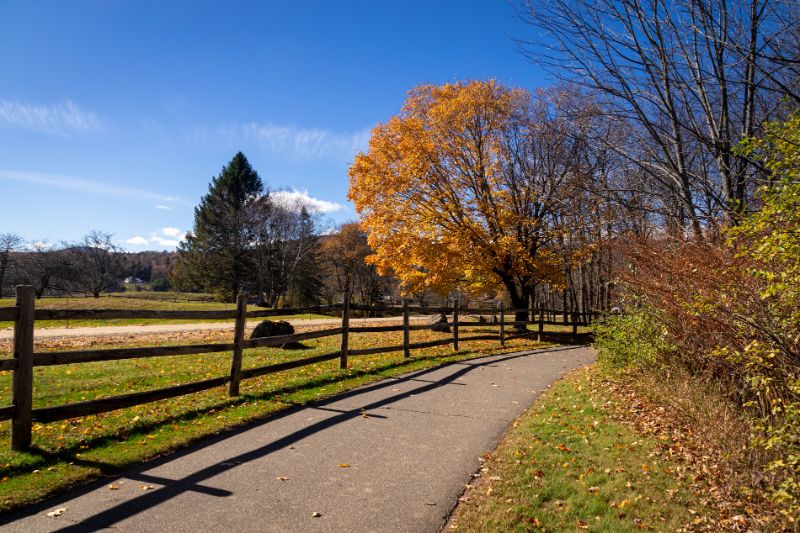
{"x":568,"y":465}
{"x":73,"y":451}
{"x":128,"y":301}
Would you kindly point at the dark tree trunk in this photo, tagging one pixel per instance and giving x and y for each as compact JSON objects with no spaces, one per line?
{"x":519,"y":300}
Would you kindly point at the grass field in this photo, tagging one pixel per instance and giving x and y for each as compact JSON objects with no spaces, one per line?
{"x":70,"y":452}
{"x":569,"y":465}
{"x":134,"y":300}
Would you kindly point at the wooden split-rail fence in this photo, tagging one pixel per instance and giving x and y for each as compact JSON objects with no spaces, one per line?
{"x":24,"y":315}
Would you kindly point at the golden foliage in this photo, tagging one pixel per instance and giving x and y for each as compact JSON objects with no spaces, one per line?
{"x":466,"y":187}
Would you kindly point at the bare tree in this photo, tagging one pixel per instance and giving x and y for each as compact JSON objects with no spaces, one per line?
{"x":9,"y":243}
{"x":46,"y":267}
{"x":97,"y":262}
{"x":285,"y":243}
{"x":687,"y":79}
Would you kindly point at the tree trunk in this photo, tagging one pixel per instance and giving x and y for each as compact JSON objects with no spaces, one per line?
{"x":519,"y":299}
{"x":3,"y":265}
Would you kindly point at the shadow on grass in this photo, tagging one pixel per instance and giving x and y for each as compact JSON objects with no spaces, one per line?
{"x":194,"y":481}
{"x":43,"y":458}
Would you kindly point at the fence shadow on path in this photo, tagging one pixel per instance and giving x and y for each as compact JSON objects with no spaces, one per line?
{"x":193,"y":482}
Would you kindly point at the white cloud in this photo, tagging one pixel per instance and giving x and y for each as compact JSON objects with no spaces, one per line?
{"x":166,"y":243}
{"x":165,"y":207}
{"x":137,"y":241}
{"x":167,"y":237}
{"x":294,"y":197}
{"x":291,"y":141}
{"x":61,"y":117}
{"x":173,"y":232}
{"x":74,"y":183}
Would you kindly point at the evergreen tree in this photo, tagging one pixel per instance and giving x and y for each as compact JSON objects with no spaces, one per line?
{"x":217,"y":254}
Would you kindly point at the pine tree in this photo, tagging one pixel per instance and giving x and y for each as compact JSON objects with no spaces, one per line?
{"x":217,"y":254}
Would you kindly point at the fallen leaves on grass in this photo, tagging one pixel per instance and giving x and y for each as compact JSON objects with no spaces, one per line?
{"x":695,"y":459}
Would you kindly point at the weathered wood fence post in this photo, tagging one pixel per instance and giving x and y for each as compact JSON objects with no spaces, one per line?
{"x":541,"y":322}
{"x":574,"y":326}
{"x":531,"y":310}
{"x":22,"y":381}
{"x":238,"y":339}
{"x":455,"y":325}
{"x":406,"y":320}
{"x":502,"y":324}
{"x":345,"y":329}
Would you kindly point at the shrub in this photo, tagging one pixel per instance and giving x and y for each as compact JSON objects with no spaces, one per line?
{"x":732,"y":311}
{"x":635,"y":338}
{"x":160,"y":284}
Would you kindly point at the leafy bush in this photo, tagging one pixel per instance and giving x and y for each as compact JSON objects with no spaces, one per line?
{"x":635,"y":338}
{"x":732,"y":310}
{"x":160,"y":284}
{"x":770,"y":240}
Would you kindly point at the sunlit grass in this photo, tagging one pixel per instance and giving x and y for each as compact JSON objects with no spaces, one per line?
{"x":568,"y":465}
{"x":72,"y":451}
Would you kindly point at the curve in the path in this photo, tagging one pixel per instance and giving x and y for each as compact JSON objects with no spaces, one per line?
{"x":390,"y":456}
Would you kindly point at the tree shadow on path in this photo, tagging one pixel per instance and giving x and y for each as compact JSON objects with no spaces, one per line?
{"x":193,"y":482}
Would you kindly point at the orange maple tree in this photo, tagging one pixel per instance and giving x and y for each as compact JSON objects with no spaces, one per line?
{"x":469,"y":186}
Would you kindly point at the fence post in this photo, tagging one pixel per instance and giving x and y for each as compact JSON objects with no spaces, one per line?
{"x":541,"y":322}
{"x":531,"y":310}
{"x":502,"y":324}
{"x":455,"y":324}
{"x":345,"y":329}
{"x":406,"y":351}
{"x":238,"y":339}
{"x":574,"y":326}
{"x":22,"y":382}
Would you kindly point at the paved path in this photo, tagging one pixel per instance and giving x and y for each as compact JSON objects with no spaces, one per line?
{"x":408,"y":458}
{"x":106,"y":331}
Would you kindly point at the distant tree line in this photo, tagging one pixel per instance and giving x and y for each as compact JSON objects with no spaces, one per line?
{"x":91,"y":266}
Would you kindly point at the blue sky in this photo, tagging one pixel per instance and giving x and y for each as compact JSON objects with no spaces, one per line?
{"x":115,"y":115}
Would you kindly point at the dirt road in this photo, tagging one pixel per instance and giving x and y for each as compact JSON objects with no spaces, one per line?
{"x":107,"y":331}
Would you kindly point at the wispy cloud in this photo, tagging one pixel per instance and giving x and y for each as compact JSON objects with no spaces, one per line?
{"x":74,"y":183}
{"x":290,"y":141}
{"x":59,"y":118}
{"x":167,"y":237}
{"x":164,"y":207}
{"x":294,"y":197}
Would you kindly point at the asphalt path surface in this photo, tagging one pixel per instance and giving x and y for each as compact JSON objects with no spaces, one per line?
{"x":390,"y":456}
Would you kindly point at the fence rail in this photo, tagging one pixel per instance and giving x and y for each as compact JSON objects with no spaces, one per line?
{"x":24,"y":314}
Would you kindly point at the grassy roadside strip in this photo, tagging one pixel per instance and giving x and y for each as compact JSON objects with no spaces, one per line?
{"x":75,"y":451}
{"x":575,"y":462}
